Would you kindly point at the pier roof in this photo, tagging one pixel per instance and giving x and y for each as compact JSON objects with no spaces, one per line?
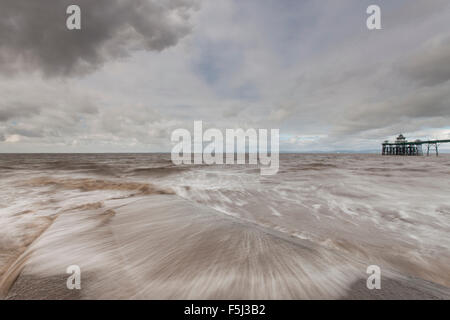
{"x":416,"y":142}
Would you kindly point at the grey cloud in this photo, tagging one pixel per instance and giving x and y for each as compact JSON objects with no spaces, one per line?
{"x":425,"y":103}
{"x":31,"y":133}
{"x":47,"y":112}
{"x":58,"y":113}
{"x":34,"y":35}
{"x":69,"y":104}
{"x":431,"y":65}
{"x":332,"y":80}
{"x":425,"y":74}
{"x":16,"y":110}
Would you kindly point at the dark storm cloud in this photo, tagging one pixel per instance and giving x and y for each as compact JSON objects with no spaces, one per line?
{"x":33,"y":34}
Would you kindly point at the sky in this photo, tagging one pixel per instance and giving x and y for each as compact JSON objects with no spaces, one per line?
{"x":137,"y":70}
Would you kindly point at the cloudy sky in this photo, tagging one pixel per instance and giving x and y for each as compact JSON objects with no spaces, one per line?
{"x":140,"y":69}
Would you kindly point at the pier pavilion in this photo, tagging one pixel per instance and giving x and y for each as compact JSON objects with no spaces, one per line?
{"x":403,"y":147}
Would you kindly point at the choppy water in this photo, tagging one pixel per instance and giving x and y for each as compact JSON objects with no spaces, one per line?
{"x":392,"y":211}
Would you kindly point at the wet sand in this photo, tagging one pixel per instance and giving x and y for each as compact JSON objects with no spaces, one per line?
{"x":164,"y":247}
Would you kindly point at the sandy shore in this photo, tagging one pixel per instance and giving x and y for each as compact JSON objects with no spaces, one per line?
{"x":164,"y":247}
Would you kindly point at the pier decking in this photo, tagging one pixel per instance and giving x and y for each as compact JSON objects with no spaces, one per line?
{"x":402,"y":147}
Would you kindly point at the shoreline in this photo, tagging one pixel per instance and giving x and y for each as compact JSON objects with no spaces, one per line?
{"x":165,"y":247}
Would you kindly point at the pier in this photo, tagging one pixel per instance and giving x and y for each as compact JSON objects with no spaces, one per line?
{"x":403,"y":147}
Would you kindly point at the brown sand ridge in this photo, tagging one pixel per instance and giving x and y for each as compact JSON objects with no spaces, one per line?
{"x":89,"y":184}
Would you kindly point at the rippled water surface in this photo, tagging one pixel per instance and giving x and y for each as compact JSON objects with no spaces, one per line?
{"x":392,"y":211}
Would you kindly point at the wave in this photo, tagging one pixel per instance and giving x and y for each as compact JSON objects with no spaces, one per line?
{"x":157,"y":171}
